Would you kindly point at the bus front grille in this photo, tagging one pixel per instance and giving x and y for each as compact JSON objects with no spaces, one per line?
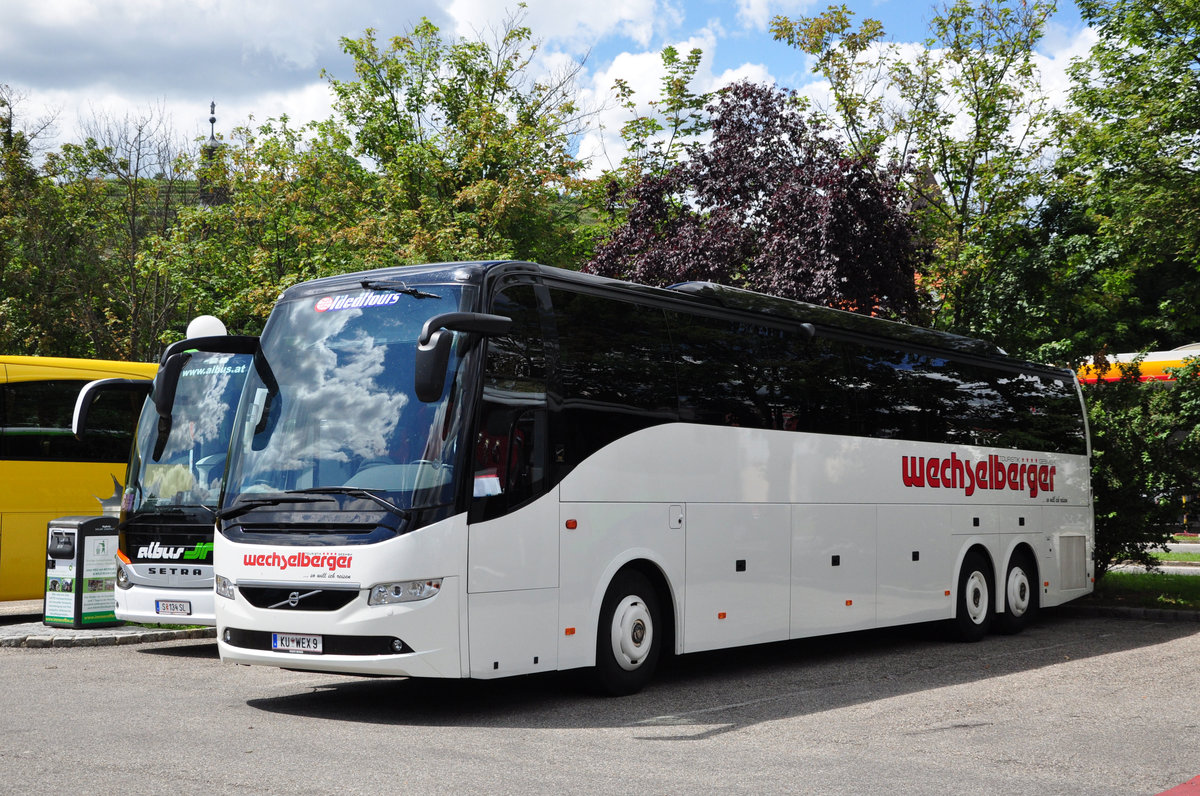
{"x":298,"y":598}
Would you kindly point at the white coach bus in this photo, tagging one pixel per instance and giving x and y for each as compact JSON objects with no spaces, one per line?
{"x":497,"y":468}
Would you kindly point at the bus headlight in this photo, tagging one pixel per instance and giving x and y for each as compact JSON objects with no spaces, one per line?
{"x":404,"y":591}
{"x":123,"y":581}
{"x":224,"y":586}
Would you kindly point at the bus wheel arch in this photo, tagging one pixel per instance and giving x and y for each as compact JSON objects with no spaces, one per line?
{"x":975,"y":604}
{"x":635,"y":625}
{"x":1019,"y":591}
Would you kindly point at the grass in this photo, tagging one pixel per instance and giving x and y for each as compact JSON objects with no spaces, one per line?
{"x":1177,"y":558}
{"x":1148,"y":590}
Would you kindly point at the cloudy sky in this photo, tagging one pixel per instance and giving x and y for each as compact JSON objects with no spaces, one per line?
{"x":262,"y":58}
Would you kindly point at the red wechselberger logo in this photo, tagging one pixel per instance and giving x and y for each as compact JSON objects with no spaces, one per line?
{"x":991,"y":473}
{"x":326,"y":562}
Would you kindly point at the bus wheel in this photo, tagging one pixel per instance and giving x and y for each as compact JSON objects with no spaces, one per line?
{"x":974,"y":614}
{"x":1020,"y":595}
{"x":628,"y":636}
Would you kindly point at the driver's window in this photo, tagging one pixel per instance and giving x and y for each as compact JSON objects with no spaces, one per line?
{"x":510,"y":442}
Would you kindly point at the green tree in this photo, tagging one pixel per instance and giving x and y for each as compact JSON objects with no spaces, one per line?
{"x":1131,"y":163}
{"x":1145,"y":460}
{"x":657,"y":141}
{"x":121,"y":188}
{"x":971,"y":116}
{"x":474,"y":156}
{"x":41,"y":268}
{"x":295,"y":205}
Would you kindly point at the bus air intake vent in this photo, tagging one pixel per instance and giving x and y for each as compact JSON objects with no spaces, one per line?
{"x":298,"y":598}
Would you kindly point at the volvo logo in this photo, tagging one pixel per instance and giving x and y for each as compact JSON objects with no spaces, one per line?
{"x":294,"y":599}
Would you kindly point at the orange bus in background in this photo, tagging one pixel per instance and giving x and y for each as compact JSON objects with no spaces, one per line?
{"x":45,"y":472}
{"x":1153,"y":366}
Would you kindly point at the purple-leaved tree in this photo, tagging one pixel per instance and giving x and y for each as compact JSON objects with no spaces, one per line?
{"x":771,"y":203}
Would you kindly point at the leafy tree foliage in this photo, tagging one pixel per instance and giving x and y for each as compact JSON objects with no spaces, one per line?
{"x":1131,"y":164}
{"x":1145,"y":460}
{"x":658,"y":140}
{"x":37,"y":296}
{"x":122,"y":188}
{"x":296,"y":206}
{"x":74,"y":231}
{"x":970,"y":111}
{"x":440,"y":150}
{"x":771,"y":204}
{"x":474,"y":158}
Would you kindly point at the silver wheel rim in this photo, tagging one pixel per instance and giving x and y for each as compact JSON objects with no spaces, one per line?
{"x":632,"y":632}
{"x":1018,"y":591}
{"x":977,"y":597}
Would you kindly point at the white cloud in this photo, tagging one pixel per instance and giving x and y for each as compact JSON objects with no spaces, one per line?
{"x":757,"y":14}
{"x":572,"y":26}
{"x":1058,"y":49}
{"x":644,"y":72}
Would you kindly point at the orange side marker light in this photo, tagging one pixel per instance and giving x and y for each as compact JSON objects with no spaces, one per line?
{"x":570,"y":631}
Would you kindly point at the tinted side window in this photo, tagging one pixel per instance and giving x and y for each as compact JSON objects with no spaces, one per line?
{"x":615,"y":374}
{"x":35,"y":423}
{"x":734,"y":373}
{"x":510,"y":459}
{"x":1045,"y":410}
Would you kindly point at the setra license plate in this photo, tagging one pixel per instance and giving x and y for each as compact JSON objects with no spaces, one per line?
{"x":173,"y":607}
{"x":295,"y":642}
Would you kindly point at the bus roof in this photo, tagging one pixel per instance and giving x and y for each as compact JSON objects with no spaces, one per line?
{"x":696,"y":294}
{"x":26,"y":368}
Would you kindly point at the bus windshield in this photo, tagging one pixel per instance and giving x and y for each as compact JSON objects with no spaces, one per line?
{"x":190,"y":469}
{"x":329,"y":419}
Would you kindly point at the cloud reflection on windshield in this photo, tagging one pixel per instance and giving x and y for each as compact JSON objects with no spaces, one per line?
{"x":338,"y":405}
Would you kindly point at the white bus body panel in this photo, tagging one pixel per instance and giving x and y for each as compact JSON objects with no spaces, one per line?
{"x":138,"y":604}
{"x":757,"y":536}
{"x":608,"y":536}
{"x":434,"y":628}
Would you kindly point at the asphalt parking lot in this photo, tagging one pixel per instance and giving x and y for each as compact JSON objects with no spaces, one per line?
{"x":1080,"y":703}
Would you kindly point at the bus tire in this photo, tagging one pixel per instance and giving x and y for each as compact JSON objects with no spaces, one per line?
{"x":973,"y":616}
{"x":1020,"y":595}
{"x":629,"y":635}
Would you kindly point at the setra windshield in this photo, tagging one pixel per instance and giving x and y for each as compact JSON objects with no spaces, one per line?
{"x":190,"y":469}
{"x":329,"y":420}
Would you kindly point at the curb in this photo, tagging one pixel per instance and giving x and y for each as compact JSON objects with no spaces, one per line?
{"x":1122,"y":612}
{"x":54,"y":637}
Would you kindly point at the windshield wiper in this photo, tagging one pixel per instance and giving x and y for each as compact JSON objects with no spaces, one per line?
{"x":358,"y":492}
{"x":258,"y":503}
{"x":171,"y":509}
{"x":396,"y":287}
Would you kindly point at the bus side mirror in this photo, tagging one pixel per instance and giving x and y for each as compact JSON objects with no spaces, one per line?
{"x":430,"y":366}
{"x":91,"y":391}
{"x":433,"y":347}
{"x":165,"y":384}
{"x":171,"y":366}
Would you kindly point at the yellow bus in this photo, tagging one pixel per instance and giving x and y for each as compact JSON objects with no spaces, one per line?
{"x":1152,"y":365}
{"x":45,"y":472}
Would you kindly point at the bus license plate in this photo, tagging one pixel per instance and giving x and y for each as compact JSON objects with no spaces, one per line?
{"x":173,"y":607}
{"x":295,"y":642}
